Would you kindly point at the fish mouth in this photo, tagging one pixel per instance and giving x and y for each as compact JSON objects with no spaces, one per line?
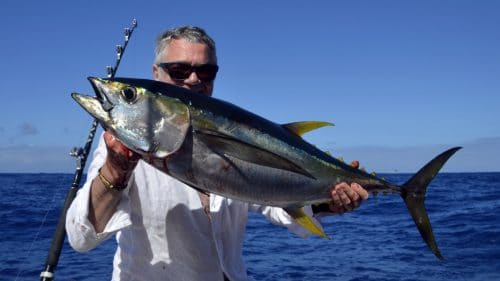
{"x":92,"y":105}
{"x":100,"y":105}
{"x":100,"y":89}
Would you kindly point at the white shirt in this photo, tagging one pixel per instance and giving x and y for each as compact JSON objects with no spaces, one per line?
{"x":163,"y":232}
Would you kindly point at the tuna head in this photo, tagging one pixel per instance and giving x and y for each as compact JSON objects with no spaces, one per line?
{"x":148,"y":123}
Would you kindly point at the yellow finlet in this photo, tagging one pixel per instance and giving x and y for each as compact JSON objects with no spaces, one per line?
{"x":300,"y":128}
{"x":301,"y":218}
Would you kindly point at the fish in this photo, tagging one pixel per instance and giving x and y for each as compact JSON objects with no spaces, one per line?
{"x":217,"y":147}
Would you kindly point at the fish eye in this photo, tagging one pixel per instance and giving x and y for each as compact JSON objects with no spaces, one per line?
{"x":129,"y":94}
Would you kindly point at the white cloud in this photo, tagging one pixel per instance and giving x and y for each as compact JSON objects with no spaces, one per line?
{"x":36,"y":159}
{"x":27,"y":129}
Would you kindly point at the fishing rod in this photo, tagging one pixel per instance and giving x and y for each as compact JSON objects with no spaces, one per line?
{"x":81,"y":155}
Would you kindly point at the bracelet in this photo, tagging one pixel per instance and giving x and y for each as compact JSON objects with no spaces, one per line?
{"x":108,"y":184}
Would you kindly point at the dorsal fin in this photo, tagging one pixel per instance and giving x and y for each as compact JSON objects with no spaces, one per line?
{"x":300,"y":128}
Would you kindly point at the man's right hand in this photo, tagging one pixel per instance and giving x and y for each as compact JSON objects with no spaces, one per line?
{"x":116,"y":171}
{"x":120,"y":161}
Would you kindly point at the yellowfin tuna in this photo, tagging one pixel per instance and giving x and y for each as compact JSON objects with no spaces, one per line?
{"x":217,"y":147}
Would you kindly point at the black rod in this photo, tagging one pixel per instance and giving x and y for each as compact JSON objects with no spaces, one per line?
{"x":81,"y":155}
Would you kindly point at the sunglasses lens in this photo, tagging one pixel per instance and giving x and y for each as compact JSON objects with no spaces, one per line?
{"x":206,"y":72}
{"x":179,"y":71}
{"x":182,"y":71}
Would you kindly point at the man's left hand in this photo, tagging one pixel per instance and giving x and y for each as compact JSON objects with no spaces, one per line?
{"x":346,"y":198}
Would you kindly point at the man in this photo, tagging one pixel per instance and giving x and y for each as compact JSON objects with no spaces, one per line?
{"x":166,"y":230}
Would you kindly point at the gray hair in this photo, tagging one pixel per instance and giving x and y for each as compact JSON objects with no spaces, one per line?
{"x":190,"y":33}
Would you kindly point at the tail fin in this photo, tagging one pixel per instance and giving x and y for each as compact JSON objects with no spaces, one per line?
{"x":413,"y":193}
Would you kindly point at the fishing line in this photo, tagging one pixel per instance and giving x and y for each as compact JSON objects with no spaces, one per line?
{"x":42,"y":224}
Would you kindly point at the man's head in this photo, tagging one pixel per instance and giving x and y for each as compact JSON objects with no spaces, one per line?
{"x":185,"y":56}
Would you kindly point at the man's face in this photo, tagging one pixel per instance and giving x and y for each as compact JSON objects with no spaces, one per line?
{"x":182,"y":51}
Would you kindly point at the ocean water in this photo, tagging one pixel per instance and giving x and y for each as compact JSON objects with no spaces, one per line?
{"x":376,"y":242}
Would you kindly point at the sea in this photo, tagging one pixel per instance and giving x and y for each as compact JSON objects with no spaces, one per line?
{"x":378,"y":241}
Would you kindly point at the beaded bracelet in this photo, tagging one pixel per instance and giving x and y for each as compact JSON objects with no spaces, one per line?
{"x":108,"y":184}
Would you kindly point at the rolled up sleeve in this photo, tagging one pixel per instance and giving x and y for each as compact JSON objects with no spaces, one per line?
{"x":80,"y":231}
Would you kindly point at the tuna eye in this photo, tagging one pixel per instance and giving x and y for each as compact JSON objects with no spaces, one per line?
{"x":129,"y":94}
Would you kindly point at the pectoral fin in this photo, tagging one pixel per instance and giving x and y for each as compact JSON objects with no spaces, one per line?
{"x":174,"y":122}
{"x":300,"y":128}
{"x":229,"y":146}
{"x":301,"y":218}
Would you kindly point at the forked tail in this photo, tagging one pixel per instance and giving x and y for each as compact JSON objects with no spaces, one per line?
{"x":413,"y":193}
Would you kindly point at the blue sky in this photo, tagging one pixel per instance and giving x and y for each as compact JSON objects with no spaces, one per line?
{"x":402,"y":80}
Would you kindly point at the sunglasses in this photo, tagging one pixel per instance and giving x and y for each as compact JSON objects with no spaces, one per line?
{"x":182,"y":71}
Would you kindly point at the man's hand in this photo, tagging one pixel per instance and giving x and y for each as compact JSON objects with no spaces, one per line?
{"x":120,"y":161}
{"x":117,"y":169}
{"x":346,"y":198}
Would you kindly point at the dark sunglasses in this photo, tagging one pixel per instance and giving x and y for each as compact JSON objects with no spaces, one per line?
{"x":182,"y":71}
